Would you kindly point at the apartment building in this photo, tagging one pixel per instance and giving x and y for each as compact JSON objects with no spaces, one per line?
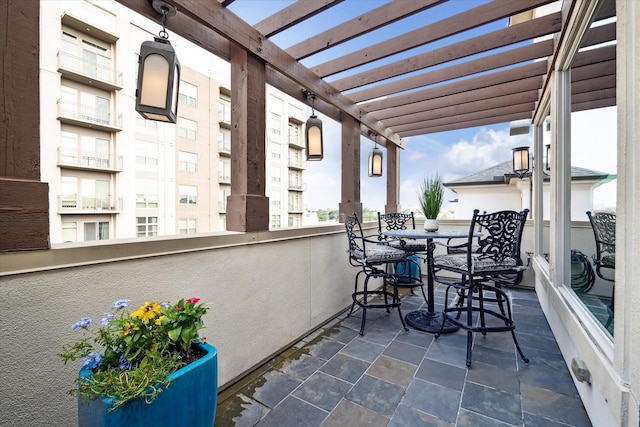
{"x":113,"y":174}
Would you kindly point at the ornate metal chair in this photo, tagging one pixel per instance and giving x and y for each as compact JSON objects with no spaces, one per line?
{"x":372,"y":257}
{"x":486,"y":269}
{"x":604,"y":231}
{"x":409,"y":272}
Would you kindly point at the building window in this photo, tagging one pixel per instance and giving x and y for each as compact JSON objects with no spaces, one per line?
{"x":224,"y":109}
{"x":146,"y":226}
{"x":275,"y":221}
{"x":188,"y":94}
{"x":146,"y":193}
{"x":187,"y":194}
{"x":224,"y":171}
{"x":90,"y":57}
{"x":69,"y":231}
{"x":294,"y":133}
{"x":147,"y":153}
{"x":96,"y":231}
{"x":141,"y":122}
{"x":187,"y":226}
{"x":276,"y":127}
{"x":223,"y":193}
{"x":85,"y":106}
{"x":187,"y":128}
{"x":295,"y":180}
{"x":69,"y":190}
{"x":224,"y":141}
{"x":187,"y":162}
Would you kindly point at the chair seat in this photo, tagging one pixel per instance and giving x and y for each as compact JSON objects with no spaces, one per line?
{"x":380,"y":253}
{"x":479,"y":265}
{"x":409,"y":246}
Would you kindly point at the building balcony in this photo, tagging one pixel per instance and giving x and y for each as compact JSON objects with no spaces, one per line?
{"x":224,"y":179}
{"x":296,"y":164}
{"x":88,"y":72}
{"x":88,"y":116}
{"x":296,"y":187}
{"x":89,"y":205}
{"x":71,"y":158}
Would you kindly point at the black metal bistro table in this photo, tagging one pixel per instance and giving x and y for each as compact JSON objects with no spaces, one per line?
{"x":428,"y":320}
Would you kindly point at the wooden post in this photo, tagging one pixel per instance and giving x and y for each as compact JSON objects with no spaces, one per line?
{"x":247,"y":206}
{"x":350,"y":168}
{"x":393,"y":178}
{"x":24,"y":200}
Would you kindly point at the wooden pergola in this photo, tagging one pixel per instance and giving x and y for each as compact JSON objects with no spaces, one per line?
{"x":446,"y":88}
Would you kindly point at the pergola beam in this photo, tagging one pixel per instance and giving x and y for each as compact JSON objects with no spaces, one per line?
{"x":545,"y":25}
{"x":484,"y":14}
{"x":363,"y":24}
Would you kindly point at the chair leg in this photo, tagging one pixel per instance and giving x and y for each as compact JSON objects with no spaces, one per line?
{"x":469,"y":325}
{"x":396,"y":298}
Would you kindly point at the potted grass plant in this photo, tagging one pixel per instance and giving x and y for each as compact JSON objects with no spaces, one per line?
{"x":146,"y":367}
{"x":430,"y":198}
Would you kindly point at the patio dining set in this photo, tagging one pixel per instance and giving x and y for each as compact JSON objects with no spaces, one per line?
{"x":474,"y":267}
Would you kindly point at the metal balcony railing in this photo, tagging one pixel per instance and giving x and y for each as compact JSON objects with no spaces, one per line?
{"x":88,"y":116}
{"x":79,"y":69}
{"x":89,"y":205}
{"x":81,"y":159}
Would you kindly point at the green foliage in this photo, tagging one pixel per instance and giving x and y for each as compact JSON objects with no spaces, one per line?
{"x":430,"y":196}
{"x":131,"y":355}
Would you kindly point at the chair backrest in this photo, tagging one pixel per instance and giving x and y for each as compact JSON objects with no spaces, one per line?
{"x":355,"y":237}
{"x":604,"y":231}
{"x":501,"y":234}
{"x":395,"y":221}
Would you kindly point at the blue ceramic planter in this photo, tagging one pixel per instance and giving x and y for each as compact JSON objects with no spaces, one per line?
{"x":190,"y":400}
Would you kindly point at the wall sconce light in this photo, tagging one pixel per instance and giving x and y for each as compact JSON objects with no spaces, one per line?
{"x":375,"y":159}
{"x":547,"y":158}
{"x":521,"y":161}
{"x":158,"y":73}
{"x":313,"y":133}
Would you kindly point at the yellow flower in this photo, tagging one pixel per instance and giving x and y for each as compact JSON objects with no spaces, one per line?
{"x":159,"y":320}
{"x":128,"y":328}
{"x":148,"y":311}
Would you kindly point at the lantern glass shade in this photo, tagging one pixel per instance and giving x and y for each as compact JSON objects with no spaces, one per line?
{"x":521,"y":161}
{"x":313,"y":138}
{"x":375,"y":162}
{"x":158,"y":80}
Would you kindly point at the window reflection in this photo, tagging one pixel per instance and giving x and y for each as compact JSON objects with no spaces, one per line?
{"x":593,"y":190}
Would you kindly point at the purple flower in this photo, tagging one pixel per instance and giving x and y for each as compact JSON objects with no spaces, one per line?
{"x":93,"y":360}
{"x":165,"y":304}
{"x":82,"y":323}
{"x":107,"y":318}
{"x":124,"y":363}
{"x":121,"y":303}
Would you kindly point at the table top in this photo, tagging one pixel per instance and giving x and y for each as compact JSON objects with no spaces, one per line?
{"x":424,"y":234}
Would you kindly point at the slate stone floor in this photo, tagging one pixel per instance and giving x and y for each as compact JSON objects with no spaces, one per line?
{"x":390,"y":377}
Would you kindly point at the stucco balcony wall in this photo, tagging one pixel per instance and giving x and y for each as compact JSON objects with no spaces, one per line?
{"x":266,"y":290}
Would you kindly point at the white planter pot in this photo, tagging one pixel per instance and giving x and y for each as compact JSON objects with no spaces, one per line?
{"x":431,"y":224}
